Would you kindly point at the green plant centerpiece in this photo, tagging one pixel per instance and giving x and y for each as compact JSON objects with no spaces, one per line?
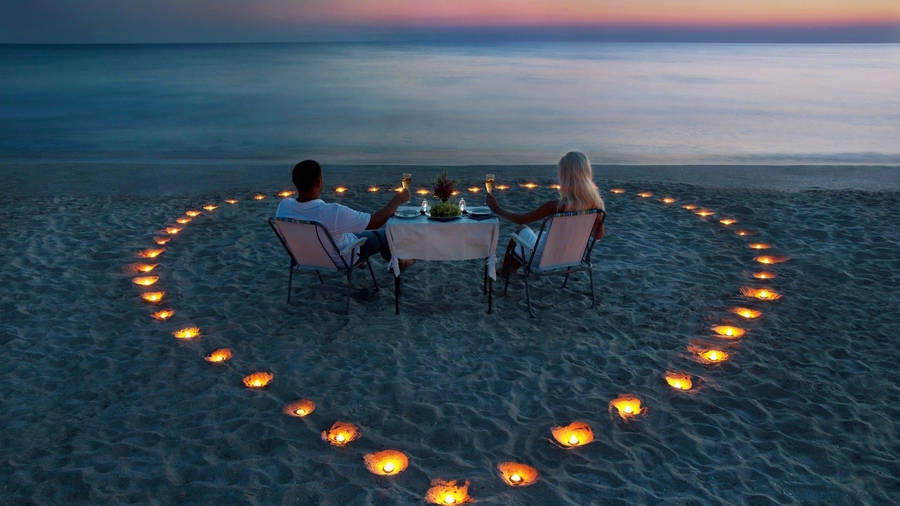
{"x":443,"y":190}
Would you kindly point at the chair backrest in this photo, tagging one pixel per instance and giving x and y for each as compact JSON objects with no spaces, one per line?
{"x":568,"y":237}
{"x":307,"y":242}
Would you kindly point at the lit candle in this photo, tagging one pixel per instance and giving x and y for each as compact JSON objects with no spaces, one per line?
{"x":341,"y":433}
{"x":575,"y":434}
{"x":285,"y":193}
{"x":373,"y":189}
{"x":554,"y":186}
{"x":668,"y":200}
{"x":759,"y":245}
{"x":153,"y":297}
{"x":210,"y":208}
{"x":145,"y":280}
{"x":218,"y":356}
{"x":163,"y":314}
{"x":183,"y":221}
{"x":386,"y":462}
{"x":448,"y":492}
{"x":172,"y":230}
{"x":627,"y":406}
{"x":422,"y":191}
{"x":231,"y":201}
{"x":516,"y":474}
{"x":703,"y":213}
{"x":474,"y":189}
{"x":258,"y":379}
{"x":617,"y":191}
{"x":193,"y":213}
{"x":728,"y":332}
{"x":299,"y":408}
{"x":769,"y":259}
{"x":712,"y":356}
{"x":689,"y":207}
{"x":760,"y":293}
{"x":745,"y":312}
{"x":259,"y":196}
{"x":502,"y":187}
{"x":145,"y":267}
{"x":186,"y":333}
{"x":764,"y":275}
{"x":151,"y":253}
{"x":679,"y":380}
{"x":161,"y":240}
{"x":645,"y":195}
{"x":728,"y":221}
{"x":529,"y":185}
{"x":340,"y":189}
{"x":743,"y":233}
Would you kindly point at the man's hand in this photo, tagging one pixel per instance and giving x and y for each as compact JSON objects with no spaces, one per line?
{"x":401,"y":196}
{"x":492,"y":202}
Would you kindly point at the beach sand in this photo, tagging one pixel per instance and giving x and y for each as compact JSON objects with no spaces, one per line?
{"x":101,"y":404}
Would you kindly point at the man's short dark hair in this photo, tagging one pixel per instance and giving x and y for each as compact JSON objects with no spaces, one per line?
{"x":305,"y":174}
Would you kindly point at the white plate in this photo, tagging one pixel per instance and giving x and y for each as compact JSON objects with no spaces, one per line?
{"x":479,"y":210}
{"x":407,"y":212}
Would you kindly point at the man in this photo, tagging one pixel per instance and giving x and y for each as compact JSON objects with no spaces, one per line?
{"x":344,"y":224}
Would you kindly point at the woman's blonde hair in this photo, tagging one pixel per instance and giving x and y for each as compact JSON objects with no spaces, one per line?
{"x":576,"y":184}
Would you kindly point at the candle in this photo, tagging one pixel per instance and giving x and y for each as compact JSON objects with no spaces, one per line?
{"x":516,"y":474}
{"x":218,"y":356}
{"x":193,"y":213}
{"x":529,"y":185}
{"x":144,"y":267}
{"x":627,"y":406}
{"x":728,"y":332}
{"x":617,"y":191}
{"x":555,"y":186}
{"x":153,"y":297}
{"x":341,"y":433}
{"x":422,"y":191}
{"x":299,"y":408}
{"x":474,"y":189}
{"x":760,"y":293}
{"x":743,"y":233}
{"x":759,"y":245}
{"x":502,"y":187}
{"x":145,"y":280}
{"x":210,"y":208}
{"x":183,"y":221}
{"x":769,"y":259}
{"x":373,"y":189}
{"x":161,"y":240}
{"x":173,"y":230}
{"x":151,"y":253}
{"x":386,"y":462}
{"x":712,"y":356}
{"x":575,"y":434}
{"x":231,"y":201}
{"x":340,"y":189}
{"x":679,"y":380}
{"x":285,"y":193}
{"x":704,"y":213}
{"x":764,"y":275}
{"x":745,"y":312}
{"x":645,"y":195}
{"x":728,"y":221}
{"x":448,"y":492}
{"x":668,"y":200}
{"x":186,"y":333}
{"x":258,"y":380}
{"x":259,"y":196}
{"x":163,"y":314}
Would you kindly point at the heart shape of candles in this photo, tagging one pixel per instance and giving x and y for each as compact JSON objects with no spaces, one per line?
{"x":577,"y":433}
{"x":341,"y":433}
{"x":516,"y":474}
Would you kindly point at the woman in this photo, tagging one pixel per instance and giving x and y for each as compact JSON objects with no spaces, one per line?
{"x":576,"y":193}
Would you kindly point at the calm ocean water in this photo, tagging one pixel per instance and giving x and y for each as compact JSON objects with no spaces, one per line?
{"x":486,"y":103}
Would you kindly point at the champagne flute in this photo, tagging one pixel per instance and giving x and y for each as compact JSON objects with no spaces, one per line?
{"x":489,"y":182}
{"x":406,"y":180}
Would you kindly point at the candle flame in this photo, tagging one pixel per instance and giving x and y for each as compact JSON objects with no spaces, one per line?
{"x":186,"y":333}
{"x":183,"y":221}
{"x":679,"y":380}
{"x":746,"y":312}
{"x":259,"y":196}
{"x":617,"y":191}
{"x":163,"y":314}
{"x":386,"y":462}
{"x":145,"y":280}
{"x":454,"y":193}
{"x":529,"y":185}
{"x":704,"y":212}
{"x":299,"y":408}
{"x":422,"y":191}
{"x":769,"y":259}
{"x":258,"y":379}
{"x":575,"y":434}
{"x":173,"y":230}
{"x":689,"y":207}
{"x":210,"y":208}
{"x":627,"y":406}
{"x":709,"y":355}
{"x":231,"y":201}
{"x":759,"y":245}
{"x":728,"y":332}
{"x":728,"y":221}
{"x":373,"y":189}
{"x":473,"y":189}
{"x":502,"y":187}
{"x":764,"y":275}
{"x":153,"y":297}
{"x":144,"y":267}
{"x":516,"y":474}
{"x":151,"y":253}
{"x":341,"y":433}
{"x":760,"y":293}
{"x":645,"y":195}
{"x":555,"y":186}
{"x":668,"y":200}
{"x":220,"y":355}
{"x":285,"y":193}
{"x":340,"y":189}
{"x":161,"y":240}
{"x":193,"y":213}
{"x":743,"y":232}
{"x":448,"y":492}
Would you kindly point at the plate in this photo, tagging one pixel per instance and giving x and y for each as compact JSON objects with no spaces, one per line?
{"x":444,"y":218}
{"x":407,"y":212}
{"x":479,"y":210}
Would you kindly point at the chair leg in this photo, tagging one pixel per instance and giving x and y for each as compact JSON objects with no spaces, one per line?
{"x":290,"y":283}
{"x":528,"y":298}
{"x":591,"y":278}
{"x":372,"y":273}
{"x":565,"y":281}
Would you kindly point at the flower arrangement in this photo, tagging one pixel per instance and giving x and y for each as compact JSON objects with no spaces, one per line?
{"x":443,"y":190}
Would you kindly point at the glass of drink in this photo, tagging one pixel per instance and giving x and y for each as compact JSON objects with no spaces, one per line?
{"x":406,"y":180}
{"x":489,"y":182}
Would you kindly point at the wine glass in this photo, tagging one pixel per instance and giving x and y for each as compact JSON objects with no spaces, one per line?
{"x":489,"y":182}
{"x":405,"y":180}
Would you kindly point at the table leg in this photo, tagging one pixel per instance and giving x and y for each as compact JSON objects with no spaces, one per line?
{"x":396,"y":294}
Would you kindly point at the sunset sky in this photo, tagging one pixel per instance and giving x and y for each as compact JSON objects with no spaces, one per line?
{"x":284,"y":20}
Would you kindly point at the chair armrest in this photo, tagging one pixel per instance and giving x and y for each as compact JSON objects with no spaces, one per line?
{"x":518,"y":240}
{"x":350,"y":247}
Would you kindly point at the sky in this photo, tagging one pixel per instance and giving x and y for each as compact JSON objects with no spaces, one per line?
{"x":123,"y":21}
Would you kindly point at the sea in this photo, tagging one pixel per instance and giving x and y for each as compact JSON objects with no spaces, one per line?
{"x":459,"y":103}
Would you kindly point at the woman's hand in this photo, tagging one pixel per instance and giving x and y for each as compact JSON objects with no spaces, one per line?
{"x":491,"y":201}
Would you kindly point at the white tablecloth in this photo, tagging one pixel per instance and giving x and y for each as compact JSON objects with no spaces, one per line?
{"x":424,"y":239}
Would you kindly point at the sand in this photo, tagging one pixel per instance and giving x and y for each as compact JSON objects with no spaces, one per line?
{"x":101,"y":404}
